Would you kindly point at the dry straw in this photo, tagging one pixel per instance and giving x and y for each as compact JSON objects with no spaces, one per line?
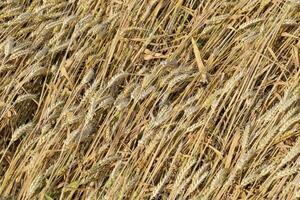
{"x":149,"y":99}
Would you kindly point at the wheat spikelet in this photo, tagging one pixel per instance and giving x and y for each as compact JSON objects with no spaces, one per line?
{"x":217,"y":19}
{"x":181,"y":189}
{"x":37,"y":71}
{"x":121,"y":102}
{"x":53,"y":107}
{"x":43,"y":139}
{"x":6,"y":67}
{"x":21,"y":46}
{"x":18,"y":54}
{"x":99,"y":29}
{"x":86,"y":132}
{"x":294,"y":151}
{"x":295,"y":2}
{"x":289,"y":123}
{"x":267,"y":169}
{"x":68,"y":20}
{"x":288,"y":115}
{"x":46,"y":128}
{"x":267,"y":139}
{"x":38,"y":42}
{"x":164,"y":99}
{"x":166,"y":178}
{"x":162,"y":116}
{"x":196,"y":183}
{"x":245,"y":158}
{"x":270,"y":114}
{"x":197,"y":179}
{"x":88,"y":76}
{"x":151,"y":147}
{"x":117,"y":79}
{"x":25,"y":128}
{"x":191,"y":110}
{"x":136,"y":93}
{"x":232,"y":81}
{"x":101,"y":163}
{"x":178,"y":79}
{"x":250,"y":179}
{"x":241,"y":163}
{"x":91,"y":111}
{"x":193,"y":98}
{"x":258,"y":174}
{"x":70,"y":138}
{"x":289,"y":22}
{"x":180,"y":178}
{"x":245,"y":138}
{"x":105,"y":101}
{"x":88,"y":94}
{"x":113,"y":175}
{"x":147,"y":92}
{"x":53,"y":24}
{"x":25,"y":97}
{"x":193,"y":127}
{"x":11,"y":12}
{"x":145,"y":139}
{"x":211,"y":98}
{"x":164,"y":81}
{"x":23,"y":17}
{"x":216,"y":182}
{"x":9,"y":45}
{"x":72,"y":119}
{"x":36,"y":185}
{"x":250,"y":23}
{"x":286,"y":172}
{"x":287,"y":102}
{"x":147,"y":80}
{"x":43,"y":52}
{"x":49,"y":170}
{"x":252,"y":36}
{"x":59,"y":48}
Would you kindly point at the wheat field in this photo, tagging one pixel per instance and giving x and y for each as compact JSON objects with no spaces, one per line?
{"x":149,"y":99}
